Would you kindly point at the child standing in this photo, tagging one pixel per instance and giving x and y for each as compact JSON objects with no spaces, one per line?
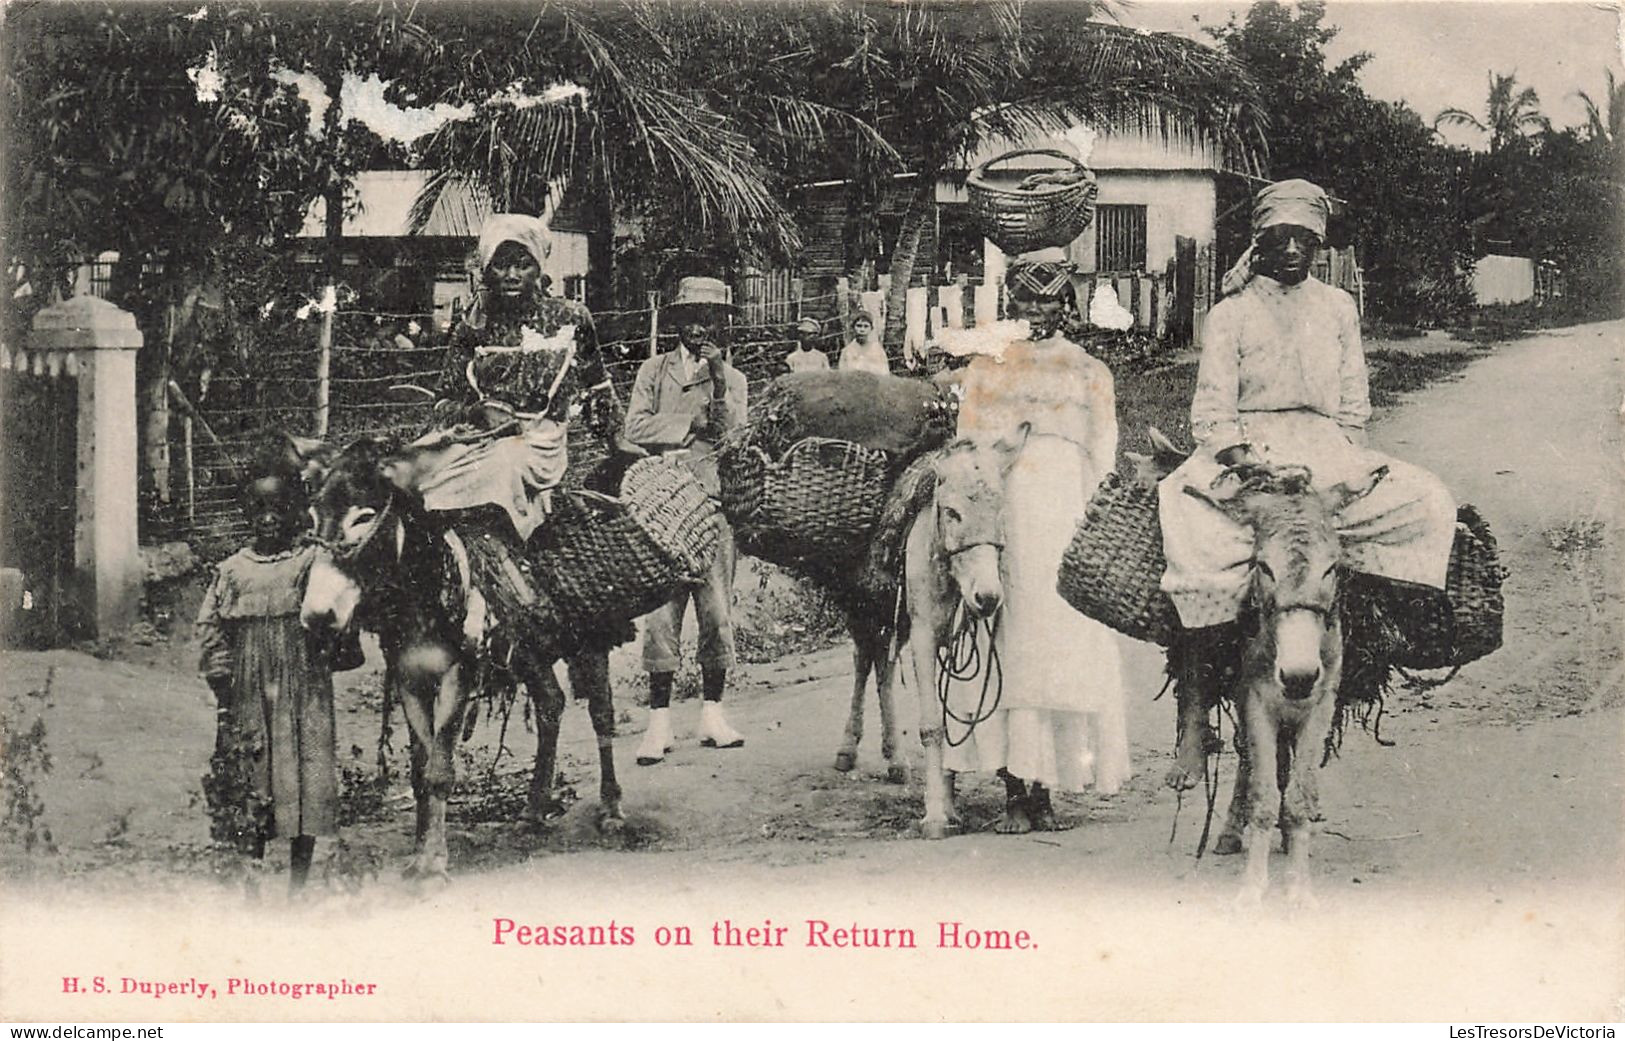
{"x":274,"y":773}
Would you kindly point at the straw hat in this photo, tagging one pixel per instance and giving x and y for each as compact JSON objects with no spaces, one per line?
{"x":702,"y":296}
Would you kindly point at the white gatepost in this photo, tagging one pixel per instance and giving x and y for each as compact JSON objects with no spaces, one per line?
{"x":99,"y":342}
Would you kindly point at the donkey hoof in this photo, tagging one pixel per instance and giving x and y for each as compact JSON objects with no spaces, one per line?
{"x":1300,"y":900}
{"x":934,"y":829}
{"x":845,"y":761}
{"x":897,"y":773}
{"x":1227,"y":844}
{"x":610,"y":822}
{"x":1181,"y":778}
{"x":543,"y":813}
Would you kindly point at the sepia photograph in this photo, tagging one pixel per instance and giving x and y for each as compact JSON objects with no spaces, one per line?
{"x":785,"y":511}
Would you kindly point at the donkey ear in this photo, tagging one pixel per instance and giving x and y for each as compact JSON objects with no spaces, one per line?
{"x":1338,"y":496}
{"x":1010,"y":447}
{"x":306,"y":448}
{"x":400,"y":470}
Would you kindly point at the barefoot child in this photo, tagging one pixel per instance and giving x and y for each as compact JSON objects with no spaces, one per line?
{"x":274,"y":772}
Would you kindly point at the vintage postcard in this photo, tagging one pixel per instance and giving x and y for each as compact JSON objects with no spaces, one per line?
{"x":812,"y":511}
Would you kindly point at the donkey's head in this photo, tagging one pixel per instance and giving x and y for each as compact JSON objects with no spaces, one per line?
{"x":1296,"y":555}
{"x":969,"y":507}
{"x":357,"y":509}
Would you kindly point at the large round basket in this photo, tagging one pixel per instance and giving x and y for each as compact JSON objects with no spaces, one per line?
{"x":600,"y":558}
{"x":1021,"y":220}
{"x":1112,"y":569}
{"x":1466,"y":623}
{"x":820,"y":501}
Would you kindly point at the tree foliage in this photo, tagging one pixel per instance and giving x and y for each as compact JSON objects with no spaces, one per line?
{"x":1401,"y":186}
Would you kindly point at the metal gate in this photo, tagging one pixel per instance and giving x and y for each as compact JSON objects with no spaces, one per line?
{"x":39,"y":492}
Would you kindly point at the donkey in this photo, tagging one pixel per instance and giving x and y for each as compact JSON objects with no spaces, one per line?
{"x":387,"y":561}
{"x":951,"y":558}
{"x":1292,"y":662}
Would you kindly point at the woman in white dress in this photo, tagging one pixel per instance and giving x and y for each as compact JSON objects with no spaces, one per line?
{"x":1060,"y":722}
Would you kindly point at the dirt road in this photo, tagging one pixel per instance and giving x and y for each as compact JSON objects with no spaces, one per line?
{"x":1470,"y":872}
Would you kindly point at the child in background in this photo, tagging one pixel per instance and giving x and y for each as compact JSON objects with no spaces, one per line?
{"x":863,"y":353}
{"x":806,"y":357}
{"x":274,"y":773}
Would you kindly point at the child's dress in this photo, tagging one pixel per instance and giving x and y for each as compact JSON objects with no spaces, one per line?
{"x":278,"y":716}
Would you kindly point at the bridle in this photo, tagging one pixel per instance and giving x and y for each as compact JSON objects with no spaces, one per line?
{"x":346,"y":554}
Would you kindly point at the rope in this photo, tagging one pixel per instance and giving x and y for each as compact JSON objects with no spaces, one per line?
{"x":960,"y":659}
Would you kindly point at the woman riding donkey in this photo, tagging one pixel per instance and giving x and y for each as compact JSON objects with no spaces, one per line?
{"x":517,"y":368}
{"x":1060,"y":721}
{"x":1282,"y":381}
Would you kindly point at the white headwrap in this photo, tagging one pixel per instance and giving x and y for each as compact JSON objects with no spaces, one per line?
{"x":529,"y":232}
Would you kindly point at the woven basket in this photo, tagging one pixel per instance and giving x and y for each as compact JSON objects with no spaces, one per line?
{"x":820,"y":501}
{"x":1112,"y":569}
{"x":1463,"y":625}
{"x":600,"y":558}
{"x":1020,"y":221}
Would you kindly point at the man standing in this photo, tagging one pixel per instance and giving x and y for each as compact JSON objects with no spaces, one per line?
{"x":686,"y":399}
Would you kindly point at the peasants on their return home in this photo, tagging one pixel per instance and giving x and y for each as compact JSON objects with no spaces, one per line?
{"x":687,"y":398}
{"x":515,"y":368}
{"x":1060,"y":722}
{"x":805,"y":356}
{"x":1283,"y":381}
{"x":274,"y":773}
{"x":863,"y":353}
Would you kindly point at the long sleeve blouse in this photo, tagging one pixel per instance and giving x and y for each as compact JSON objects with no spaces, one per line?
{"x":1276,"y":348}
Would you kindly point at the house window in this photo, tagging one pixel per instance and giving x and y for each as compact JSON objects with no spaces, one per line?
{"x":1120,"y":238}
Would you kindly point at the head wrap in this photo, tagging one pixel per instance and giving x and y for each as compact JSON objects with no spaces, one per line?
{"x":1298,"y":202}
{"x":809,"y":325}
{"x":529,"y":232}
{"x":1291,"y":202}
{"x":1044,"y":274}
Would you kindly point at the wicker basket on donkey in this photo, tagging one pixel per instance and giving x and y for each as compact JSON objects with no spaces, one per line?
{"x":1435,"y":631}
{"x":821,"y":500}
{"x":807,"y":476}
{"x":1047,"y":209}
{"x":599,"y":560}
{"x":1112,"y":569}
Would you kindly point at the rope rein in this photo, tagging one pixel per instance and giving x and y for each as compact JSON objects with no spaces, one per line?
{"x":960,"y":661}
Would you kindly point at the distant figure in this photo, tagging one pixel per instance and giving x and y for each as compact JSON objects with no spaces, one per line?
{"x":863,"y":352}
{"x":805,"y":357}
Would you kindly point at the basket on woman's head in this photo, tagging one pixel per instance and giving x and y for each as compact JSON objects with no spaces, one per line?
{"x":1046,"y":208}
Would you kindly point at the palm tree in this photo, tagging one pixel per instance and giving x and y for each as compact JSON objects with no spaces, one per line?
{"x":684,"y":113}
{"x":1510,"y":114}
{"x":1607,"y":121}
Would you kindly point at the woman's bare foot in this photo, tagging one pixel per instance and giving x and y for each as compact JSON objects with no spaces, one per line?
{"x":1015,"y":820}
{"x":1042,"y":814}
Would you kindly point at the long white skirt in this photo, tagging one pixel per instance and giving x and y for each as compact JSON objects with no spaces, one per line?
{"x":1060,"y":719}
{"x":1402,"y":529}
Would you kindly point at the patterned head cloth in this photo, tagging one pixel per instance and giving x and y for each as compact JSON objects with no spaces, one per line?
{"x":529,"y":232}
{"x":1043,"y":274}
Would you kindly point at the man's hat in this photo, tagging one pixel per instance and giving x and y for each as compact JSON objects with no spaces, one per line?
{"x":701,"y":296}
